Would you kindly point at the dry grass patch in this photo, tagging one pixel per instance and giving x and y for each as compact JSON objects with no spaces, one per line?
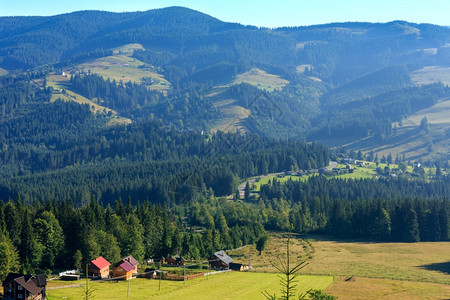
{"x":424,"y":262}
{"x":261,"y":79}
{"x":371,"y":288}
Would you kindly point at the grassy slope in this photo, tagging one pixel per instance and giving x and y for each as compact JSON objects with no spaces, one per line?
{"x":261,"y":79}
{"x":234,"y":285}
{"x":409,"y":140}
{"x":367,"y":171}
{"x":412,"y":141}
{"x":431,"y":74}
{"x":234,"y":114}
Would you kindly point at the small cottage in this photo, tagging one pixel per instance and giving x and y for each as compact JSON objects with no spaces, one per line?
{"x":123,"y":270}
{"x":176,"y":261}
{"x":133,"y":262}
{"x":99,"y":267}
{"x":28,"y":287}
{"x":220,"y":260}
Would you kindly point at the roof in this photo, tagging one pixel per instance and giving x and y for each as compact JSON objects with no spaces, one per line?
{"x":178,"y":258}
{"x":100,"y":262}
{"x":126,"y":266}
{"x":29,"y":285}
{"x":41,"y":280}
{"x":131,"y":260}
{"x":223,"y":257}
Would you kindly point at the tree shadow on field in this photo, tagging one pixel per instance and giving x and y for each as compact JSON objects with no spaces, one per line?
{"x":443,"y":267}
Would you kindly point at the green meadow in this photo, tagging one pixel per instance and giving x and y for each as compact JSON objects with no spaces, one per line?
{"x":234,"y":285}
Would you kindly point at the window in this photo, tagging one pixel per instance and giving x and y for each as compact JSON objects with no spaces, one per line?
{"x":20,"y":296}
{"x":19,"y":287}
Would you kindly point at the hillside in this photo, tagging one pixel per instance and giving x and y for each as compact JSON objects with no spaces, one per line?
{"x":364,"y":86}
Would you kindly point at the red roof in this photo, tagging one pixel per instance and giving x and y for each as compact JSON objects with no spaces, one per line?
{"x":126,"y":266}
{"x":100,"y":262}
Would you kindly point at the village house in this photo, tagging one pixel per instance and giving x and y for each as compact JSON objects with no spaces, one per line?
{"x":220,"y":260}
{"x":99,"y":267}
{"x":133,"y":262}
{"x":176,"y":261}
{"x":28,"y":287}
{"x":123,"y":270}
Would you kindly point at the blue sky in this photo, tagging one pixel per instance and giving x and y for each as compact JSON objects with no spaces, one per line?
{"x":265,"y":13}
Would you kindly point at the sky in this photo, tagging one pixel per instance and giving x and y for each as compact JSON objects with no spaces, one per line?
{"x":264,"y":13}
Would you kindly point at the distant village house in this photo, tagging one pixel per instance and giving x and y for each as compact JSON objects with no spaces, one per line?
{"x":28,"y":287}
{"x":99,"y":267}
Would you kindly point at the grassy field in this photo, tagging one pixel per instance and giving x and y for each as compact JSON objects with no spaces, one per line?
{"x":424,"y":262}
{"x":363,"y":270}
{"x":234,"y":285}
{"x":3,"y":72}
{"x":125,"y":68}
{"x":371,"y":288}
{"x":261,"y":79}
{"x":431,"y":74}
{"x":232,"y":112}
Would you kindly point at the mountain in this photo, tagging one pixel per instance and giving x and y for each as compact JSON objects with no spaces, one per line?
{"x":352,"y":84}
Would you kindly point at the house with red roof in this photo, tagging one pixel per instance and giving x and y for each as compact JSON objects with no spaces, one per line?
{"x":27,"y":287}
{"x":99,"y":267}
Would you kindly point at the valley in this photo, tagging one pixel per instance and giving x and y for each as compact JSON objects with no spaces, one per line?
{"x":149,"y":139}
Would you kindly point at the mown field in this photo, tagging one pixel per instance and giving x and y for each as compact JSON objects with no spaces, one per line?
{"x":261,"y":79}
{"x":364,"y":270}
{"x":234,"y":285}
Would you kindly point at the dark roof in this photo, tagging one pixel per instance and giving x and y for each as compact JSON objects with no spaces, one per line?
{"x":223,"y":257}
{"x":10,"y":277}
{"x":41,"y":280}
{"x":148,"y":270}
{"x":126,"y":266}
{"x":100,"y":262}
{"x":29,"y":285}
{"x":131,"y":260}
{"x":29,"y":282}
{"x":178,"y":258}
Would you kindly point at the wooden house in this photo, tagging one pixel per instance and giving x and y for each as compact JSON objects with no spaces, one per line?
{"x":220,"y":260}
{"x":99,"y":267}
{"x":28,"y":287}
{"x":133,"y":262}
{"x":176,"y":261}
{"x":123,"y":270}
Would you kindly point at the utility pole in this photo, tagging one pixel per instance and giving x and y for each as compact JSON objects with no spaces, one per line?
{"x":160,"y":274}
{"x":128,"y":292}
